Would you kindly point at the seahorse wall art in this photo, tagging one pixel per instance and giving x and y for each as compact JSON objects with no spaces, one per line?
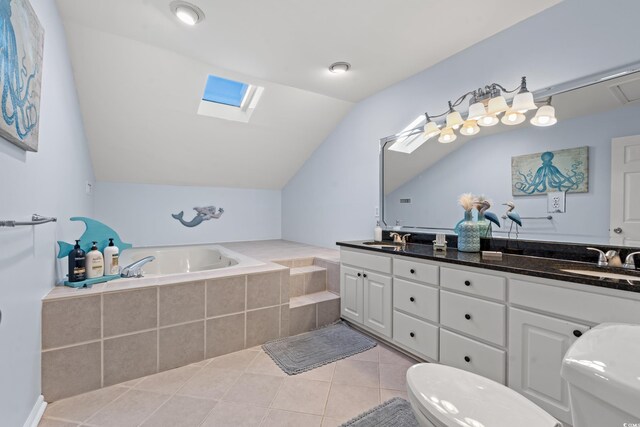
{"x":21,"y":46}
{"x":202,"y":214}
{"x":540,"y":173}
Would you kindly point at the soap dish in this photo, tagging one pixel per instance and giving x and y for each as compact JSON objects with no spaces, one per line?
{"x":440,"y":247}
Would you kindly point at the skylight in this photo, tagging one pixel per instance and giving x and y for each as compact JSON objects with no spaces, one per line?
{"x":224,"y":91}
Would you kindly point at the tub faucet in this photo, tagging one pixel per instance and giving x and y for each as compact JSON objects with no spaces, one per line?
{"x":628,"y":262}
{"x":135,"y":269}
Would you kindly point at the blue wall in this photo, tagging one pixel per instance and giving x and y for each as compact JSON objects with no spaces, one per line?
{"x":334,"y":194}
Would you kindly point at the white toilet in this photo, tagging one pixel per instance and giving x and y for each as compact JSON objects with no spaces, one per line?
{"x":603,"y":372}
{"x":442,"y":396}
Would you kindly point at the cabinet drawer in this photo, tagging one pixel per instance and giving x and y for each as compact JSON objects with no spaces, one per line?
{"x":424,"y":339}
{"x":473,"y":283}
{"x":483,"y":319}
{"x":415,"y":270}
{"x":379,"y":263}
{"x":416,"y":299}
{"x":464,"y":353}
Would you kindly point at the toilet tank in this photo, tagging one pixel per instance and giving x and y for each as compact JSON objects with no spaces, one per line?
{"x":603,"y":372}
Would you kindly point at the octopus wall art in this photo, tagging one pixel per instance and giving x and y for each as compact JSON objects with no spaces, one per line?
{"x":540,"y":173}
{"x":21,"y":46}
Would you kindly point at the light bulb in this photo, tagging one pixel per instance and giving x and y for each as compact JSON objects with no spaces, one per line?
{"x":545,"y":116}
{"x":447,"y":135}
{"x":187,"y":15}
{"x":512,"y":117}
{"x":470,"y":127}
{"x":490,"y":120}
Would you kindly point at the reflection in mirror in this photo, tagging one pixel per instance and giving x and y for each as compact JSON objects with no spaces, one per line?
{"x":577,"y":181}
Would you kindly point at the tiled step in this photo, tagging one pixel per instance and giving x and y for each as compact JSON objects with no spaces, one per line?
{"x":307,"y":312}
{"x":307,"y":280}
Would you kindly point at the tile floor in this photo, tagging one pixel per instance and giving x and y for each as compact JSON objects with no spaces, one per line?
{"x":245,"y":388}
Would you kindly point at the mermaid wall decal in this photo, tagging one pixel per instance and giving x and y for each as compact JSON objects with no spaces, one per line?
{"x":21,"y":45}
{"x":562,"y":170}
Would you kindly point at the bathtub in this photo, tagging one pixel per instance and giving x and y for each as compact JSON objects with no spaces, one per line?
{"x":172,"y":260}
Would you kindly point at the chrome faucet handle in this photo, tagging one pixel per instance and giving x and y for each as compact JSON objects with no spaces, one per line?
{"x":629,"y":262}
{"x":602,"y":259}
{"x":405,"y":238}
{"x":396,"y":237}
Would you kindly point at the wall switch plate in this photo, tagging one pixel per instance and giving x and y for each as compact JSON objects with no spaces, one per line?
{"x":556,"y":202}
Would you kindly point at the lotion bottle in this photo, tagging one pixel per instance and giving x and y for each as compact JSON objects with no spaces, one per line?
{"x":377,"y":232}
{"x":77,"y":267}
{"x":95,"y":262}
{"x":111,"y":254}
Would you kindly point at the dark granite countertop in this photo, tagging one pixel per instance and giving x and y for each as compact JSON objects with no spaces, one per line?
{"x":518,"y":264}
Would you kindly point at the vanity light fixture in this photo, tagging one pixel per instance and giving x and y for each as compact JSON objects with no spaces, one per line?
{"x":545,"y":116}
{"x":454,"y":119}
{"x":447,"y":135}
{"x":470,"y":127}
{"x":339,"y":67}
{"x":187,"y":13}
{"x":431,"y":129}
{"x":513,"y":117}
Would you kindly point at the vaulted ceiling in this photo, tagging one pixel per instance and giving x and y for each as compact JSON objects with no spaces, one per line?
{"x":140,"y":75}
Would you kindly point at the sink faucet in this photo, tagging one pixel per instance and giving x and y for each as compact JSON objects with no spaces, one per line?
{"x":628,"y":262}
{"x":610,"y":257}
{"x":135,"y":269}
{"x":400,"y":239}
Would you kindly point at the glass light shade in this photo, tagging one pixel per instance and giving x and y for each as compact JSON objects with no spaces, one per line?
{"x":497,"y":105}
{"x":476,"y":111}
{"x":523,"y":102}
{"x":447,"y":135}
{"x":454,"y":120}
{"x":512,"y":117}
{"x":470,"y":127}
{"x":545,"y":116}
{"x":187,"y":15}
{"x":430,"y":130}
{"x":489,"y":120}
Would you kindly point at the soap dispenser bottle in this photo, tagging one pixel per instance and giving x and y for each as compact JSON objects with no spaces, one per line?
{"x":377,"y":232}
{"x":95,"y":262}
{"x":111,"y":254}
{"x":77,"y":267}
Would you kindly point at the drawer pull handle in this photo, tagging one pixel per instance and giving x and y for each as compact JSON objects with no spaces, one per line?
{"x":412,"y":334}
{"x":467,"y":316}
{"x":364,"y":275}
{"x":412,"y":299}
{"x":412,"y":271}
{"x":359,"y":274}
{"x":467,"y":359}
{"x":577,"y":333}
{"x":467,"y":283}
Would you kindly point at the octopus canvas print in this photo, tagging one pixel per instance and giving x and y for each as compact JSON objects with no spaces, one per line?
{"x":21,"y":46}
{"x":551,"y":171}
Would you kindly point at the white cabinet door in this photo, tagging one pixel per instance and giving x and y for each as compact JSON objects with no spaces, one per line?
{"x":351,"y":293}
{"x":377,"y":302}
{"x":537,"y":344}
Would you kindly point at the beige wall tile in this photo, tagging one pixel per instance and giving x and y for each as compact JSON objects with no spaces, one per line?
{"x":285,"y":262}
{"x":263,"y":290}
{"x":181,"y":345}
{"x":129,"y":357}
{"x":296,"y":285}
{"x":70,"y":371}
{"x":333,"y":277}
{"x":70,"y":321}
{"x":328,"y":312}
{"x":284,"y":320}
{"x":302,"y":319}
{"x":129,"y":311}
{"x":181,"y":411}
{"x":226,"y":295}
{"x":285,"y":276}
{"x":315,"y":281}
{"x":262,"y":326}
{"x":225,"y":335}
{"x":302,"y":262}
{"x":181,"y":303}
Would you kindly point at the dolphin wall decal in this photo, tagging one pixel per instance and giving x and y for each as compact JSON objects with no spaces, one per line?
{"x":202,"y":214}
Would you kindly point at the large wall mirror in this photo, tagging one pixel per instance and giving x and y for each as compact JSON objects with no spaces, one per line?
{"x":595,"y":152}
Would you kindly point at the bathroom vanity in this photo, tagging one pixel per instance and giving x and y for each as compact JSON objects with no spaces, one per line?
{"x":511,"y":320}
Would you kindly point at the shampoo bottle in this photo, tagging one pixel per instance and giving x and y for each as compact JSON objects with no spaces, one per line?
{"x":377,"y":232}
{"x":111,"y":254}
{"x":95,"y":262}
{"x":77,"y":268}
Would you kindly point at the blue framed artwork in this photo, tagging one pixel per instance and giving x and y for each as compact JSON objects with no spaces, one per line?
{"x":21,"y":47}
{"x":550,"y":171}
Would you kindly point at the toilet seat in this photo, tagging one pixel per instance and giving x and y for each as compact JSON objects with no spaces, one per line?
{"x":449,"y":396}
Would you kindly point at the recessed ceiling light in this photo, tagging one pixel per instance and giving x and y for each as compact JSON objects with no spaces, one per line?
{"x":187,"y":13}
{"x":339,"y":67}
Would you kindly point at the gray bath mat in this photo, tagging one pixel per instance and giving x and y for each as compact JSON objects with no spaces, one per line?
{"x":396,"y":412}
{"x":310,"y":350}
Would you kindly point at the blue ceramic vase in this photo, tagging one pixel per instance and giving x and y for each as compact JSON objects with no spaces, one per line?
{"x":468,"y":234}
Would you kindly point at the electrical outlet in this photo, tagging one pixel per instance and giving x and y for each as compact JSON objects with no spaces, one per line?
{"x":556,"y":202}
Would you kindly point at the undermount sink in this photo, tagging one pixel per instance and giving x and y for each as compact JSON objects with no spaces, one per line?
{"x":604,"y":274}
{"x":383,"y":244}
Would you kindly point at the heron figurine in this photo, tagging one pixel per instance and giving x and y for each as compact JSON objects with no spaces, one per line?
{"x":483,"y":206}
{"x":514,"y":217}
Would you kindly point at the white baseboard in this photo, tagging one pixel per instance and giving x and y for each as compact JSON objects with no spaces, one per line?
{"x":36,"y":412}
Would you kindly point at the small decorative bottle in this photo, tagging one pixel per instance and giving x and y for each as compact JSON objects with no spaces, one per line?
{"x":468,"y":234}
